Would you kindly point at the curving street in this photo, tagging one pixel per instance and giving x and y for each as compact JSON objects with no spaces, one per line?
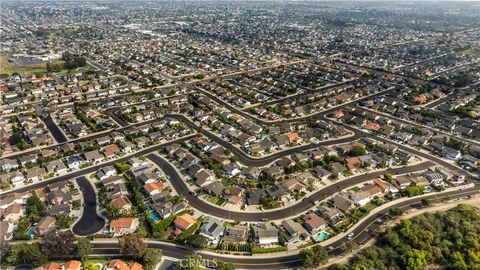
{"x":292,"y":259}
{"x":90,"y":222}
{"x":179,"y":185}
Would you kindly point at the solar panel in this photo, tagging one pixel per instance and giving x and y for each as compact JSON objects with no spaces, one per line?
{"x":212,"y":228}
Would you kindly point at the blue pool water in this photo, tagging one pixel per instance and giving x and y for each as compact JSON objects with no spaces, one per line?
{"x":321,"y":236}
{"x":31,"y":231}
{"x":155,"y":217}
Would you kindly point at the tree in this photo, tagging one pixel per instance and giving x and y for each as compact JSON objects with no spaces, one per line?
{"x":414,"y":259}
{"x":52,"y":67}
{"x":151,"y":258}
{"x":112,"y":212}
{"x":88,"y":265}
{"x":123,"y":167}
{"x":442,"y":238}
{"x":84,"y":248}
{"x":26,"y":254}
{"x":133,"y":246}
{"x":58,"y":245}
{"x":426,"y":202}
{"x":197,"y":240}
{"x":413,"y":190}
{"x":73,"y":61}
{"x":35,"y":207}
{"x":395,"y":211}
{"x":314,"y":256}
{"x":62,"y":221}
{"x":388,"y":177}
{"x":16,"y":138}
{"x":333,"y":176}
{"x":357,"y":150}
{"x":4,"y":247}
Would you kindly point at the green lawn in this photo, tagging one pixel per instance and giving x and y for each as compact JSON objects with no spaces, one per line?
{"x":9,"y":68}
{"x":214,"y":200}
{"x":472,"y":52}
{"x":64,"y":72}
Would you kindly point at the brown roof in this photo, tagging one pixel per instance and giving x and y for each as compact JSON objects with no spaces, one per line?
{"x":381,"y":184}
{"x":314,"y":221}
{"x":294,"y":137}
{"x":372,"y":126}
{"x":13,"y":209}
{"x":121,"y":202}
{"x":353,"y":162}
{"x":117,"y":264}
{"x":121,"y":223}
{"x":72,"y":265}
{"x":52,"y":266}
{"x":135,"y":266}
{"x":111,"y":150}
{"x":154,"y":186}
{"x":184,"y":221}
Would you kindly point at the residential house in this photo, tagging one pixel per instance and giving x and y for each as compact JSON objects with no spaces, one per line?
{"x":105,"y":172}
{"x":74,"y":162}
{"x":154,"y":188}
{"x":94,"y":156}
{"x":314,"y":224}
{"x":111,"y":150}
{"x":265,"y":234}
{"x":294,"y":230}
{"x":121,"y":265}
{"x":331,"y":215}
{"x":343,"y":202}
{"x":6,"y":230}
{"x":122,"y":226}
{"x":183,"y":222}
{"x":236,"y":234}
{"x":12,"y":213}
{"x":45,"y":225}
{"x":7,"y":164}
{"x":212,"y":229}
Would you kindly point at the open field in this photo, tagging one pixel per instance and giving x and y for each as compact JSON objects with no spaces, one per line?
{"x":64,"y":72}
{"x":9,"y":68}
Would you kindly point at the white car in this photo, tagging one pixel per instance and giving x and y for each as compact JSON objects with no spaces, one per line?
{"x":350,"y":235}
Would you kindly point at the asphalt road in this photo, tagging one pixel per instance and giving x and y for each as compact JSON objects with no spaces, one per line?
{"x":276,"y":261}
{"x":93,"y":169}
{"x":54,"y":147}
{"x":113,"y":114}
{"x":179,"y":185}
{"x":409,"y":122}
{"x":90,"y":222}
{"x":247,"y":160}
{"x":54,"y":129}
{"x":288,"y":261}
{"x":292,"y":120}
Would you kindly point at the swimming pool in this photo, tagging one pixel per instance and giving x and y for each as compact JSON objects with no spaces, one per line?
{"x":321,"y":236}
{"x":31,"y":231}
{"x":155,"y":217}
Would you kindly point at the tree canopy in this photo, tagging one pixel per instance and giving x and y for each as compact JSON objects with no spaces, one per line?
{"x":450,"y":239}
{"x":314,"y":257}
{"x":133,"y":246}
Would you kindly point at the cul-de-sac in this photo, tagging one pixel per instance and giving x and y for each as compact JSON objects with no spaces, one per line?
{"x":239,"y":135}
